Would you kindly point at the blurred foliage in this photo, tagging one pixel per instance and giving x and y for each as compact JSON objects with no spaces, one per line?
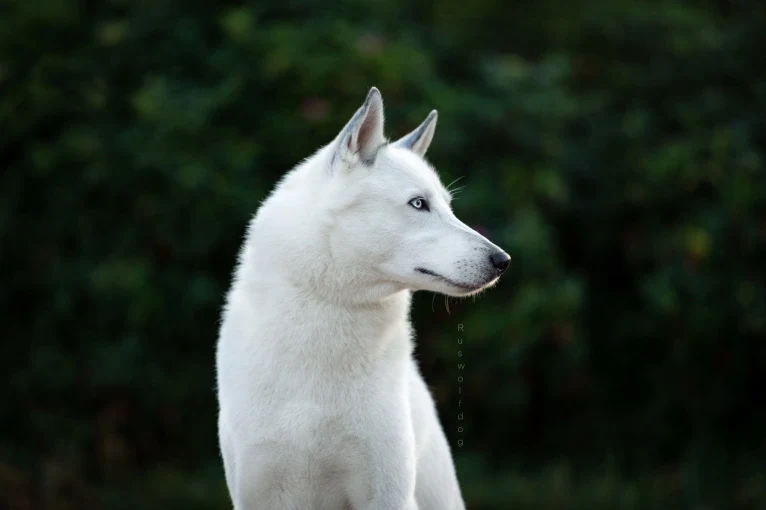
{"x":616,"y":149}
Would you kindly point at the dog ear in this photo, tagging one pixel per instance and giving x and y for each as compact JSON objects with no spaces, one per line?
{"x":419,"y":140}
{"x":363,"y":135}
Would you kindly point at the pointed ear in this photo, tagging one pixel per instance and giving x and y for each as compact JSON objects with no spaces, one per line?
{"x":363,"y":135}
{"x":419,"y":140}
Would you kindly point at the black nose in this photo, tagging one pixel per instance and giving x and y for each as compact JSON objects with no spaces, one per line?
{"x":500,"y":260}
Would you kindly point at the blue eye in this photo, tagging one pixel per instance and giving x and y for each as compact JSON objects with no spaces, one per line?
{"x":419,"y":204}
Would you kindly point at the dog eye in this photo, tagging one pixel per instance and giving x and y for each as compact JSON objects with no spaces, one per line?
{"x":420,"y":204}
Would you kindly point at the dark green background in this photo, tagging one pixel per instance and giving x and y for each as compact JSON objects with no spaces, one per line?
{"x":615,"y":149}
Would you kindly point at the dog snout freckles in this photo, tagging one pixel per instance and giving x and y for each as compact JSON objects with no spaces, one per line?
{"x":500,"y":261}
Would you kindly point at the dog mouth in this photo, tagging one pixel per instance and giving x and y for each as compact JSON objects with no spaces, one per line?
{"x":452,"y":283}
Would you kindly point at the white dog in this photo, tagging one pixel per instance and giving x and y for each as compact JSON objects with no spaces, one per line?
{"x":321,"y":403}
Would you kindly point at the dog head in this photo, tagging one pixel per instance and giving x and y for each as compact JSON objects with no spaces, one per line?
{"x":390,"y":219}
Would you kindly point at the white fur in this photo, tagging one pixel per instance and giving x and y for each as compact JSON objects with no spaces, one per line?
{"x":321,"y":403}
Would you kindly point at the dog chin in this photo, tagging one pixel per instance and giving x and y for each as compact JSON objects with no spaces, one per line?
{"x":456,"y":288}
{"x":465,"y":291}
